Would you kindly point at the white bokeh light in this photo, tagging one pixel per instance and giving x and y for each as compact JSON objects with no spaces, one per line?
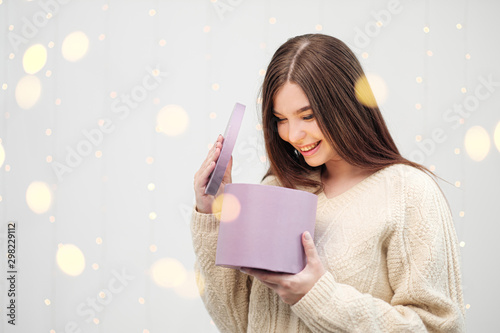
{"x":477,"y":143}
{"x":496,"y":137}
{"x":2,"y":155}
{"x":39,"y":197}
{"x":172,"y":120}
{"x":168,"y":273}
{"x":34,"y":59}
{"x":75,"y":46}
{"x":28,"y":91}
{"x":70,"y":259}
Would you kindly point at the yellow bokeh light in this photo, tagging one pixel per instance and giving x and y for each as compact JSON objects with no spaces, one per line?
{"x":496,"y":137}
{"x":172,"y":120}
{"x":141,"y":300}
{"x":371,"y":89}
{"x":189,"y":288}
{"x":98,"y":240}
{"x":319,"y":27}
{"x":28,"y":91}
{"x":95,"y":266}
{"x":231,"y":208}
{"x":477,"y":143}
{"x":168,"y":273}
{"x":70,"y":259}
{"x":272,"y":20}
{"x":152,"y":215}
{"x":153,"y":248}
{"x":34,"y":59}
{"x":151,"y":186}
{"x":75,"y":46}
{"x":2,"y":155}
{"x":39,"y":197}
{"x":47,"y":301}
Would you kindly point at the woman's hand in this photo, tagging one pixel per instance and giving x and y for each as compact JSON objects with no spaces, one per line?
{"x":204,"y":201}
{"x":292,"y":287}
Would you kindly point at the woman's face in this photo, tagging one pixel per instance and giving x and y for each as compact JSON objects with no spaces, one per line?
{"x":297,"y":125}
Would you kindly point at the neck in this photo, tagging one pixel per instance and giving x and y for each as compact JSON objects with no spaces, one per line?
{"x":340,"y":170}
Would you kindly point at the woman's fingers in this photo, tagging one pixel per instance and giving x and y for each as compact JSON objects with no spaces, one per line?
{"x":201,"y":176}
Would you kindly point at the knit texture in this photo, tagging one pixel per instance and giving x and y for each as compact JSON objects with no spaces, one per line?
{"x":390,"y":250}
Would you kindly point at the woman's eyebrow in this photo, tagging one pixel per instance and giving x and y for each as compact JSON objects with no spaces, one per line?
{"x":302,"y":109}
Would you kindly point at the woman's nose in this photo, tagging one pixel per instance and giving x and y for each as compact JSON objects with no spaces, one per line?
{"x":296,"y":133}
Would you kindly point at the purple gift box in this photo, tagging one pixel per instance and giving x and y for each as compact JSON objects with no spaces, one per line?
{"x":261,"y":227}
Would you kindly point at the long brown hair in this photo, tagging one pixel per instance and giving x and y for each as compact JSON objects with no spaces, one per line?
{"x":327,"y":71}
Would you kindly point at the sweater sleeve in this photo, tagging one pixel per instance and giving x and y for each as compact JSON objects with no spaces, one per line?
{"x":224,"y":291}
{"x":423,"y":270}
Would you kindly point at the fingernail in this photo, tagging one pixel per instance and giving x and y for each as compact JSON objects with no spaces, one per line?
{"x":307,"y":235}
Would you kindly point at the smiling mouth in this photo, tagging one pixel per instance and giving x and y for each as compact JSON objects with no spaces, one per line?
{"x":309,"y":147}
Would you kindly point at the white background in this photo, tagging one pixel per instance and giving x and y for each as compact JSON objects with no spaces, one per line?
{"x":202,"y":56}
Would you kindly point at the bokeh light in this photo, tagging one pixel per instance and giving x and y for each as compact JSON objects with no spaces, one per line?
{"x":168,"y":273}
{"x":231,"y":208}
{"x":39,"y":197}
{"x":364,"y":93}
{"x":75,"y":46}
{"x":28,"y":91}
{"x":34,"y":59}
{"x":172,"y":120}
{"x":496,"y":137}
{"x":2,"y":155}
{"x":477,"y":143}
{"x":70,"y":259}
{"x":188,"y":289}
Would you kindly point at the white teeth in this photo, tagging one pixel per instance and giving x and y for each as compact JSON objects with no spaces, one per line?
{"x":307,"y":148}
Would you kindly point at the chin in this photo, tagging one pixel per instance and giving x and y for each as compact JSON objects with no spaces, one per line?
{"x":313,"y":163}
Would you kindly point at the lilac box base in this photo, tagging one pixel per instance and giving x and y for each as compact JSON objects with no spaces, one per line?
{"x":261,"y":227}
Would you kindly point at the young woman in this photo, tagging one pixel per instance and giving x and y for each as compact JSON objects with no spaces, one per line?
{"x":384,"y":257}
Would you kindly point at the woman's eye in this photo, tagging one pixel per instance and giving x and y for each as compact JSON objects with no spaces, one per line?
{"x":279,"y":119}
{"x":309,"y":117}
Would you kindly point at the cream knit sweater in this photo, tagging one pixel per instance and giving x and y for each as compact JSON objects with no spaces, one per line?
{"x":390,"y":250}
